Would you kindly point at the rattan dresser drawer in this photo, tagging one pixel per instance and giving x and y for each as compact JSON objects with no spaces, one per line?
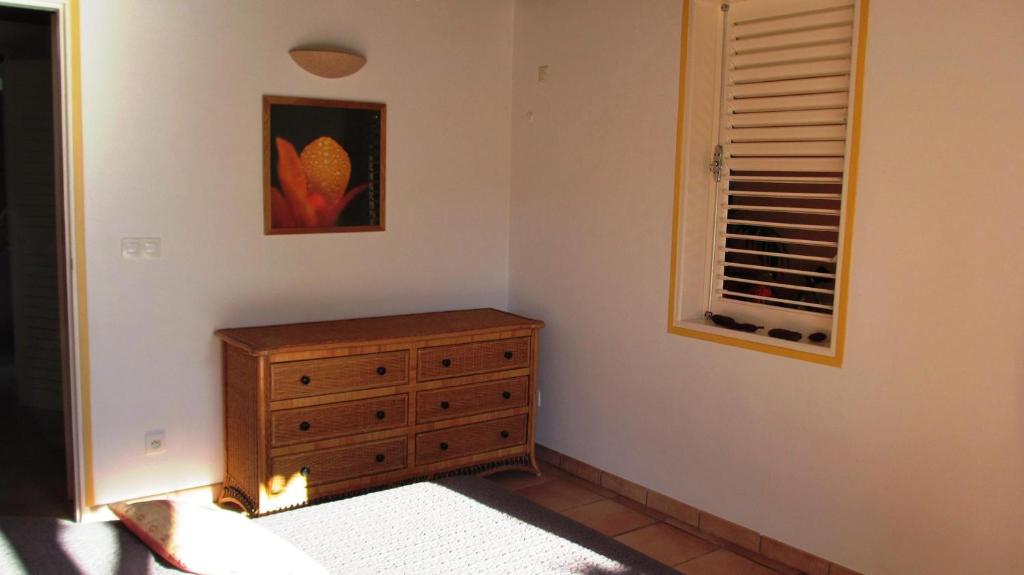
{"x":470,"y":439}
{"x":331,"y":465}
{"x":319,"y":376}
{"x":337,"y":419}
{"x":452,"y":402}
{"x":469,"y":358}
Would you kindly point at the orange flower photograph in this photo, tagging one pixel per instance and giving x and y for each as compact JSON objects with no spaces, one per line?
{"x":323,"y":165}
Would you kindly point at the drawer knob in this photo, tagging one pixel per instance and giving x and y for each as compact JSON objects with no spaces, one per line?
{"x":446,"y":362}
{"x":380,"y":458}
{"x":508,"y":355}
{"x":506,"y":394}
{"x":381,"y":414}
{"x":304,"y":471}
{"x":504,"y":435}
{"x":445,"y":405}
{"x":304,"y":426}
{"x":443,"y":446}
{"x":382,"y":370}
{"x":304,"y":380}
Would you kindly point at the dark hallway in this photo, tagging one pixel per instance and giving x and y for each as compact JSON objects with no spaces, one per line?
{"x":33,"y":468}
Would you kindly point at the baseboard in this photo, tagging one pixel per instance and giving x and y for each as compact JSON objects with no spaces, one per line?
{"x":735,"y":537}
{"x":203,"y":494}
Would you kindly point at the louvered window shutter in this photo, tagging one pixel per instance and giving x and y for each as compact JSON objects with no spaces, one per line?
{"x":781,"y":166}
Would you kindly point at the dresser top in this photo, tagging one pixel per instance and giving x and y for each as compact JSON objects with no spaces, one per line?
{"x":270,"y":338}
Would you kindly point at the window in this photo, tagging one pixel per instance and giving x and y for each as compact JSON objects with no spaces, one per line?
{"x":766,"y":170}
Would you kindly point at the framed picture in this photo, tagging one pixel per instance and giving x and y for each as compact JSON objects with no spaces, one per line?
{"x":323,"y":166}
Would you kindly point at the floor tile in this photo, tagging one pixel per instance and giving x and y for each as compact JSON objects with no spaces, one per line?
{"x":514,"y":480}
{"x":608,"y":517}
{"x":559,"y":494}
{"x":723,"y":562}
{"x":666,"y":543}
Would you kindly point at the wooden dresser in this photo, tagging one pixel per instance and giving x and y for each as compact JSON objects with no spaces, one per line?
{"x":315,"y":410}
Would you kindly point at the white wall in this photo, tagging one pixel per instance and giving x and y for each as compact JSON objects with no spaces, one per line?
{"x":172,"y":140}
{"x":908,"y":459}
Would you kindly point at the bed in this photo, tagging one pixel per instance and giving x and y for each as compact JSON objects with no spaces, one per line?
{"x":452,"y":525}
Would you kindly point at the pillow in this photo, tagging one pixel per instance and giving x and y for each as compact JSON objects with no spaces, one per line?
{"x":210,"y":541}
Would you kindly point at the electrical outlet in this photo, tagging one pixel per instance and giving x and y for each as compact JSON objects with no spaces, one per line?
{"x":542,"y":74}
{"x":155,"y":442}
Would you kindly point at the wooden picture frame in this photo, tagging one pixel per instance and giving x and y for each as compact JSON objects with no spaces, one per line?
{"x":323,"y":165}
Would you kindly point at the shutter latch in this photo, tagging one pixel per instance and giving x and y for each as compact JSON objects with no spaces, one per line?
{"x":716,"y":164}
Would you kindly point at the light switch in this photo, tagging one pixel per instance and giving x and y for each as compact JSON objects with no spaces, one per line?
{"x":150,"y":247}
{"x":131,"y":248}
{"x":140,"y":248}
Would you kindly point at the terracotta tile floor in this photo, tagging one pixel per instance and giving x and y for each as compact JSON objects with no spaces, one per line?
{"x":628,"y":522}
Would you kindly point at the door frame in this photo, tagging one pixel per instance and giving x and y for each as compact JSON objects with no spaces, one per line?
{"x":71,"y":244}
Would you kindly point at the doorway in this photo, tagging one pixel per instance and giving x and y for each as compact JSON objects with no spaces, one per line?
{"x":35,"y":454}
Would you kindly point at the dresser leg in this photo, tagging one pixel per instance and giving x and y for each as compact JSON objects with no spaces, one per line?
{"x":233,"y":496}
{"x":525,"y":463}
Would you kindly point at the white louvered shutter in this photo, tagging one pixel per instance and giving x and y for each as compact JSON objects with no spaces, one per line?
{"x":785,"y":93}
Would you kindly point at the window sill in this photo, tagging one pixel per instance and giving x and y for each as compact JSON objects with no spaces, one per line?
{"x":828,"y":353}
